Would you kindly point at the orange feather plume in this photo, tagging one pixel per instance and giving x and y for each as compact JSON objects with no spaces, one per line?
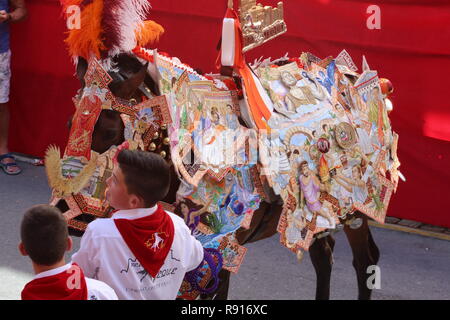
{"x":148,"y":33}
{"x":82,"y":42}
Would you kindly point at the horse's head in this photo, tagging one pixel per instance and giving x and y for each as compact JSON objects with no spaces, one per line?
{"x":111,"y":108}
{"x":131,"y":84}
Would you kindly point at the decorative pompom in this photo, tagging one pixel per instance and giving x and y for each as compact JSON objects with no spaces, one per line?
{"x":386,"y":86}
{"x":389,"y":105}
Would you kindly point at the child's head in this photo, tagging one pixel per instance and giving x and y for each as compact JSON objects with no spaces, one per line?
{"x":140,"y":180}
{"x":44,"y":235}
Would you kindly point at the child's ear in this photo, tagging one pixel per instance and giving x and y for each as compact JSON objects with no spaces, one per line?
{"x":136,"y":202}
{"x":69,"y":244}
{"x":22,"y":249}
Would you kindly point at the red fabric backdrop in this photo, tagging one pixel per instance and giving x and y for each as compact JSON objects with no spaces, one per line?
{"x":412,"y":49}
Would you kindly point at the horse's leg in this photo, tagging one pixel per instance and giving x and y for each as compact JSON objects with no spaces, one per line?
{"x":244,"y":235}
{"x":224,"y":284}
{"x":374,"y":251}
{"x":321,"y":253}
{"x":269,"y":224}
{"x":264,"y":224}
{"x":365,"y":254}
{"x":222,"y":291}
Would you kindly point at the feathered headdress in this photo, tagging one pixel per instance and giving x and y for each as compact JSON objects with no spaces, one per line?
{"x":110,"y":27}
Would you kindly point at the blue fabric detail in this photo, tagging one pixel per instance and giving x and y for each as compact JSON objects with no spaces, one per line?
{"x":4,"y":28}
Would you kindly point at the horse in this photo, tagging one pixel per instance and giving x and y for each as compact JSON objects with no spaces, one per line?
{"x":109,"y":131}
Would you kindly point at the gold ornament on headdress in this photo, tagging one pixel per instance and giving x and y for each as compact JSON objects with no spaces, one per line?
{"x":64,"y":187}
{"x":260,"y":24}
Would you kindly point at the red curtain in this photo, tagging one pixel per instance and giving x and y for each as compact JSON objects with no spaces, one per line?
{"x":411,"y":48}
{"x":43,"y":81}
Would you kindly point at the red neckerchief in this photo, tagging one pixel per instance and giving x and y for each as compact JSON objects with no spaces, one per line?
{"x":67,"y":285}
{"x":149,"y":238}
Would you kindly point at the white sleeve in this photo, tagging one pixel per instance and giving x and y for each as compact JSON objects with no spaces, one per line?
{"x":84,"y":257}
{"x":191,"y":248}
{"x":98,"y":290}
{"x":196,"y":253}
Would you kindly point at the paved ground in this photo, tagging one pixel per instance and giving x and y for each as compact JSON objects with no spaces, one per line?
{"x":412,"y":266}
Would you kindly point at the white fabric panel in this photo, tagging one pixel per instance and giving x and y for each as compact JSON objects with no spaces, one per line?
{"x":228,"y":42}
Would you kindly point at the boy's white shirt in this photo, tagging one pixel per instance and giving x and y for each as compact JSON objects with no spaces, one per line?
{"x":97,"y":290}
{"x":105,"y":256}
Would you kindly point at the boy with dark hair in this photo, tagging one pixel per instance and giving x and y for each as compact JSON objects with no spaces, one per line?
{"x":143,"y":252}
{"x":45,"y":239}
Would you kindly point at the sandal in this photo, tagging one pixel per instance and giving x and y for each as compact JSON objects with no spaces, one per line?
{"x":7,"y":166}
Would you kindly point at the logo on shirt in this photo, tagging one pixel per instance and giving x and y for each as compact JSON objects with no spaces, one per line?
{"x":156,"y":241}
{"x":136,"y":265}
{"x":142,"y":273}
